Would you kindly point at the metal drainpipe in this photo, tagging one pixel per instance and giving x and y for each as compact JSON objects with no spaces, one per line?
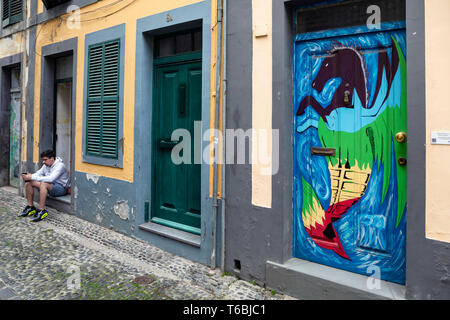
{"x":224,"y":100}
{"x":216,"y":119}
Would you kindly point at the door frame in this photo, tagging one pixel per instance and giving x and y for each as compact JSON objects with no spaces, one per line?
{"x":180,"y":59}
{"x":194,"y":247}
{"x":48,"y":98}
{"x":19,"y":115}
{"x":330,"y":35}
{"x":6,"y":65}
{"x":56,"y":82}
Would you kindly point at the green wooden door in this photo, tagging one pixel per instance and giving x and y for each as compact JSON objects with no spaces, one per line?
{"x":177,"y":104}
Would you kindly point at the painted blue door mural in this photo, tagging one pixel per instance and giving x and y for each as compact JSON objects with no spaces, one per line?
{"x":350,"y":151}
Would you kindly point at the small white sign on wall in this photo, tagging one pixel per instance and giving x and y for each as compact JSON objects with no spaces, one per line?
{"x":442,"y":138}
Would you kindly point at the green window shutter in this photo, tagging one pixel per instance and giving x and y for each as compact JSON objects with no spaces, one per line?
{"x":103,"y":99}
{"x":11,"y":11}
{"x":5,"y":10}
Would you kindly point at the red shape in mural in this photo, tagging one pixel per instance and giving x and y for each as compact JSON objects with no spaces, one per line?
{"x":324,"y":235}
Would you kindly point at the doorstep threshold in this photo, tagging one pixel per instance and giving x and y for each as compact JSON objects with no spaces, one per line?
{"x":171,"y":233}
{"x":65,"y":199}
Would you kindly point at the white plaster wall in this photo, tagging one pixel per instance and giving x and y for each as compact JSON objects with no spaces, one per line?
{"x":262,"y":104}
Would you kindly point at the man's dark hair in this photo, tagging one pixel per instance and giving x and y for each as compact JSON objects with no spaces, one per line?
{"x":48,"y":154}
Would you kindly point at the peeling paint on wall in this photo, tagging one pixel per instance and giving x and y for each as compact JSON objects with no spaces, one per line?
{"x":11,"y":45}
{"x":75,"y":192}
{"x":122,"y":209}
{"x":99,"y":218}
{"x":133,"y":213}
{"x":92,"y":177}
{"x":100,"y":206}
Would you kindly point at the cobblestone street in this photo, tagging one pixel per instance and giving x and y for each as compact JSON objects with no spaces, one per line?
{"x":38,"y":261}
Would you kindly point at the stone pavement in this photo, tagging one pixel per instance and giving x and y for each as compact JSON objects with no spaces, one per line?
{"x":66,"y":258}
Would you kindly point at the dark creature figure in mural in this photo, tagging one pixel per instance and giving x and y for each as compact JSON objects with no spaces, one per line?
{"x":348,"y":65}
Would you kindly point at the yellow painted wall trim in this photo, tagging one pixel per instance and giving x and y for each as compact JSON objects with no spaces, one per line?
{"x":437,"y":26}
{"x":214,"y":96}
{"x":262,"y":102}
{"x":28,"y":8}
{"x":213,"y":89}
{"x":12,"y":44}
{"x":40,"y":6}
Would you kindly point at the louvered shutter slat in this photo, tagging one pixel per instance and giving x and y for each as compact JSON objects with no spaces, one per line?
{"x":5,"y":9}
{"x":16,"y":7}
{"x":11,"y":11}
{"x":94,"y":105}
{"x":103,"y":99}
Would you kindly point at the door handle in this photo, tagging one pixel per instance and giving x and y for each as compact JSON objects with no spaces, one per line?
{"x":167,"y":144}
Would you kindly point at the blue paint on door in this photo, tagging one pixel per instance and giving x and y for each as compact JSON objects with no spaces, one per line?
{"x":350,"y":95}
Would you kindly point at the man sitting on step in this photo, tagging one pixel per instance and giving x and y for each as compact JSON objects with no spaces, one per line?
{"x":52,"y":179}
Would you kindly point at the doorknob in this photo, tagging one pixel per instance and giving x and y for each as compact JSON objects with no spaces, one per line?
{"x":402,"y":161}
{"x":167,"y":144}
{"x":401,"y":137}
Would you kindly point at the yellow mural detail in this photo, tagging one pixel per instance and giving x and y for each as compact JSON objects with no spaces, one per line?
{"x":348,"y":184}
{"x":314,"y":214}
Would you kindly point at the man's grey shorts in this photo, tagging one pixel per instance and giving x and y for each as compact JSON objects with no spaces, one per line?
{"x":58,"y":190}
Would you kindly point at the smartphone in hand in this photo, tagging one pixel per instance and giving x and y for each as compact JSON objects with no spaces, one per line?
{"x":23,"y":173}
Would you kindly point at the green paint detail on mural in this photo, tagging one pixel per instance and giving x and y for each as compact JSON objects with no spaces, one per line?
{"x":309,"y":196}
{"x":372,"y":143}
{"x":401,"y":150}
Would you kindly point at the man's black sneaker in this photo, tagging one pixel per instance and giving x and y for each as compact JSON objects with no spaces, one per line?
{"x":28,"y":211}
{"x":41,"y":215}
